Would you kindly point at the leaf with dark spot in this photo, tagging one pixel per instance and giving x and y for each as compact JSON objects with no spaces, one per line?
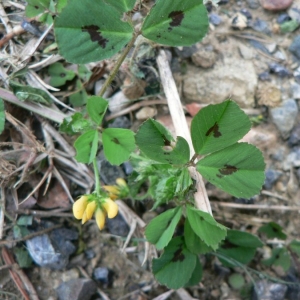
{"x":228,"y":169}
{"x":95,"y":34}
{"x":178,"y":255}
{"x":177,"y":17}
{"x":215,"y":130}
{"x":116,"y":141}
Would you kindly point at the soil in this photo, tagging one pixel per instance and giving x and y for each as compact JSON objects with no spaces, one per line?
{"x":129,"y":278}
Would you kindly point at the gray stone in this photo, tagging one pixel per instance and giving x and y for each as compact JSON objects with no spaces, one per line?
{"x":231,"y":77}
{"x":269,"y":290}
{"x":76,"y":289}
{"x":295,"y":46}
{"x":284,"y":117}
{"x":295,"y":89}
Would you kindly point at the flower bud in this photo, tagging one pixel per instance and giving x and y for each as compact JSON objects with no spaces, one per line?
{"x":100,"y":218}
{"x":79,"y":207}
{"x":111,"y":208}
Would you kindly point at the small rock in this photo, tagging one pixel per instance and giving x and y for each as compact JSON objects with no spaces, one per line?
{"x":146,"y":112}
{"x":117,"y":102}
{"x":275,"y":5}
{"x":296,"y":73}
{"x":292,"y":159}
{"x":294,"y":11}
{"x":264,"y":76}
{"x":268,"y":94}
{"x":293,"y":291}
{"x":239,"y":21}
{"x":278,"y":69}
{"x":295,"y":46}
{"x":258,"y":45}
{"x":261,"y":26}
{"x":185,"y":52}
{"x":246,"y":51}
{"x":280,"y":55}
{"x":269,"y":290}
{"x":89,"y":253}
{"x":271,"y":47}
{"x":282,"y":18}
{"x":253,"y":4}
{"x":127,"y":167}
{"x":295,"y":89}
{"x":120,"y":122}
{"x":295,"y":136}
{"x":215,"y":19}
{"x":246,"y":13}
{"x":76,"y":289}
{"x":271,"y":178}
{"x":284,"y":117}
{"x":204,"y":57}
{"x":261,"y":138}
{"x":52,"y":250}
{"x":117,"y":226}
{"x":104,"y":275}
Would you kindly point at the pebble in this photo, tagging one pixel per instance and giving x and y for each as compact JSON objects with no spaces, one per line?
{"x":295,"y":46}
{"x":294,"y":12}
{"x":76,"y":289}
{"x":268,"y":94}
{"x":52,"y":250}
{"x":127,"y":167}
{"x":185,"y":52}
{"x":104,"y":275}
{"x":295,"y":89}
{"x":204,"y":57}
{"x":239,"y":21}
{"x":117,"y":226}
{"x":246,"y":13}
{"x":295,"y":136}
{"x":133,"y":88}
{"x":279,"y":70}
{"x":261,"y":26}
{"x":264,"y":76}
{"x":269,"y":290}
{"x":292,"y":159}
{"x":120,"y":122}
{"x":275,"y":5}
{"x":117,"y":102}
{"x":258,"y":45}
{"x":253,"y":4}
{"x":285,"y":116}
{"x":246,"y":52}
{"x":146,"y":113}
{"x":282,"y":18}
{"x":215,"y":19}
{"x":271,"y":177}
{"x":293,"y":291}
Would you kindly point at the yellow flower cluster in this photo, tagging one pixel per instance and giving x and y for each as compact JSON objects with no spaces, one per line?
{"x":88,"y":205}
{"x":83,"y":209}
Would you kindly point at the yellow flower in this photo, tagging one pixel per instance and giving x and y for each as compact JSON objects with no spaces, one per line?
{"x":117,"y":191}
{"x":79,"y":207}
{"x":111,"y":208}
{"x":87,"y":205}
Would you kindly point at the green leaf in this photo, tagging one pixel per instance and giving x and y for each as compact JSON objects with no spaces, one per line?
{"x":118,"y":144}
{"x":295,"y":247}
{"x":196,"y":275}
{"x":60,"y":5}
{"x":20,"y":231}
{"x":122,"y":5}
{"x":96,"y":108}
{"x":84,"y":73}
{"x":25,"y":221}
{"x":75,"y":123}
{"x":59,"y":74}
{"x":176,"y":22}
{"x":289,"y":26}
{"x":36,"y":7}
{"x":164,"y":190}
{"x":236,"y":280}
{"x":85,"y":37}
{"x":240,"y":254}
{"x":206,"y":227}
{"x":193,"y":242}
{"x":157,"y":143}
{"x":273,"y":230}
{"x":184,"y":181}
{"x":2,"y":116}
{"x":23,"y":258}
{"x":86,"y":146}
{"x":280,"y":257}
{"x":218,"y":126}
{"x":244,"y":239}
{"x":176,"y":265}
{"x":161,"y":229}
{"x":237,"y":169}
{"x":79,"y":98}
{"x":28,"y":93}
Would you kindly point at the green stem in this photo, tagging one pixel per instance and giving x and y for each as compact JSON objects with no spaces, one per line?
{"x":118,"y":64}
{"x":97,"y":177}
